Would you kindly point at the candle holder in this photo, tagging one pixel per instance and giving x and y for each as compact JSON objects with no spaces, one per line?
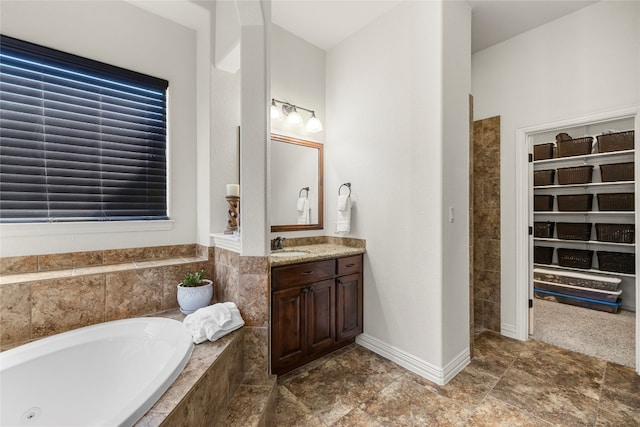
{"x":233,"y":214}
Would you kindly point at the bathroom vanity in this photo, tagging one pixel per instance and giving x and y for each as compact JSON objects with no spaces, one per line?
{"x":316,"y":304}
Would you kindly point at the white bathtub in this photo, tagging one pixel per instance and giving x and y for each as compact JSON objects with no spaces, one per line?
{"x":107,"y":374}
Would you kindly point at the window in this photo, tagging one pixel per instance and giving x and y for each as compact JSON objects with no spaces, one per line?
{"x":80,"y":140}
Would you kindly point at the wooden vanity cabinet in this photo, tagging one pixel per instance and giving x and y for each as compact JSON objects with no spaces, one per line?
{"x":316,"y":308}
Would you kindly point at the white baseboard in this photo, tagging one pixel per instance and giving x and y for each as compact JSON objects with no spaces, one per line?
{"x":424,"y":369}
{"x":508,"y":330}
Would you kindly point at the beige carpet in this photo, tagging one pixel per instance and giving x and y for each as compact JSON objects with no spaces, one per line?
{"x":604,"y":335}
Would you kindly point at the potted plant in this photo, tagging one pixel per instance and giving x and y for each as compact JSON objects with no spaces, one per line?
{"x":194,"y":292}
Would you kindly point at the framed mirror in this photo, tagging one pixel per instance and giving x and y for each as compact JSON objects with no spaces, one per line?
{"x":296,"y":184}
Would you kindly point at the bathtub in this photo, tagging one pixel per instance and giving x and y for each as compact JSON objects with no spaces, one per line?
{"x":107,"y":374}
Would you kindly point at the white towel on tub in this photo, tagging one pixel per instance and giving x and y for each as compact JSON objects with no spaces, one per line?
{"x":343,"y":219}
{"x":213,"y":322}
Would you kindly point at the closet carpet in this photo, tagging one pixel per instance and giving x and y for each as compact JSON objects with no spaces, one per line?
{"x":595,"y":333}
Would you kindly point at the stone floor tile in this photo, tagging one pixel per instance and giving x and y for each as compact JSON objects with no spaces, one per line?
{"x":291,"y":412}
{"x":408,"y":403}
{"x":545,"y":399}
{"x":355,"y":418}
{"x":493,"y":412}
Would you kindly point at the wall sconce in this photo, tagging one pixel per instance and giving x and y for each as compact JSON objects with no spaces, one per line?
{"x":294,"y":118}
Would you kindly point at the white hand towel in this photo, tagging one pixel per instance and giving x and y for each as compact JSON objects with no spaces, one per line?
{"x":301,"y":203}
{"x":343,"y":220}
{"x":304,"y":215}
{"x":342,"y":202}
{"x":237,"y":322}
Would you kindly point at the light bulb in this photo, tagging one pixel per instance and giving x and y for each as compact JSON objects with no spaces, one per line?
{"x":313,"y":124}
{"x":275,"y":112}
{"x":294,"y":118}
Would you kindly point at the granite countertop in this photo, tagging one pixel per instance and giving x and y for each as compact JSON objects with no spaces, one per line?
{"x":316,"y":252}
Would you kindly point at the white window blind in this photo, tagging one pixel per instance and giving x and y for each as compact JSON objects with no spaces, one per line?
{"x":80,"y":140}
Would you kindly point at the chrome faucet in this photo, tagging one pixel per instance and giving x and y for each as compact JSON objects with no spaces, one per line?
{"x":277,"y":243}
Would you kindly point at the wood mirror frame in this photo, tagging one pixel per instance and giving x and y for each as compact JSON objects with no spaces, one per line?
{"x":314,"y":146}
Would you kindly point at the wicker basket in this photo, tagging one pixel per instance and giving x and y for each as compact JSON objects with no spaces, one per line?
{"x":617,"y":233}
{"x":543,"y":229}
{"x":615,"y":141}
{"x":575,"y":147}
{"x":618,"y":262}
{"x":544,"y":177}
{"x":576,"y":258}
{"x":575,"y":175}
{"x":543,"y":202}
{"x":615,"y":201}
{"x":543,"y":151}
{"x":617,"y":172}
{"x":574,"y":230}
{"x":575,"y":202}
{"x":543,"y":254}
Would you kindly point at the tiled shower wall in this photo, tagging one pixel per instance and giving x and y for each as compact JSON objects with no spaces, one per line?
{"x":485,"y":223}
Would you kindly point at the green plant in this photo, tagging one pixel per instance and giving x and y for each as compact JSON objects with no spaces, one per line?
{"x":191,"y":280}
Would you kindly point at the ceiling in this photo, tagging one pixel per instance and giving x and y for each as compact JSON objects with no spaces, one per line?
{"x":325,"y":23}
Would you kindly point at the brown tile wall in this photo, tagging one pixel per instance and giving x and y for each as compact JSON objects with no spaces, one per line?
{"x":485,"y":241}
{"x":41,"y":306}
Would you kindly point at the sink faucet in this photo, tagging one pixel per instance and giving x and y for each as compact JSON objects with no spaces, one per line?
{"x":277,"y":243}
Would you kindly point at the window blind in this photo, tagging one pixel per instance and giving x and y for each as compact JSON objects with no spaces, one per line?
{"x":80,"y":140}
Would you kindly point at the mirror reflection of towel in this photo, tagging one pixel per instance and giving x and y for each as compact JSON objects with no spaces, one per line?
{"x":301,"y":201}
{"x":303,"y":214}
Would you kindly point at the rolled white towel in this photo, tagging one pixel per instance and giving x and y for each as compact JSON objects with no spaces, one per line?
{"x":217,"y":317}
{"x":214,"y":333}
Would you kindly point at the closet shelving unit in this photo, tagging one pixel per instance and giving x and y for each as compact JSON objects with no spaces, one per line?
{"x":596,"y":186}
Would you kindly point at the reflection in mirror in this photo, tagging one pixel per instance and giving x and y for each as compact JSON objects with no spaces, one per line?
{"x":295,"y":165}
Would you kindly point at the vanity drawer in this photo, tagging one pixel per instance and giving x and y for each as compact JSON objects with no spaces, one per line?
{"x":298,"y":274}
{"x":349,"y":265}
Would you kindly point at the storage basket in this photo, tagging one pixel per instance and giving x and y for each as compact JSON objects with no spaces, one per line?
{"x":615,"y":201}
{"x":575,"y":202}
{"x":615,"y":141}
{"x":618,"y":262}
{"x":617,"y":172}
{"x":575,"y":175}
{"x":543,"y":229}
{"x":578,"y":291}
{"x":544,"y":177}
{"x":617,"y":233}
{"x":576,"y":258}
{"x":543,"y":254}
{"x":543,"y":202}
{"x":574,"y":230}
{"x":543,"y":151}
{"x":575,"y":147}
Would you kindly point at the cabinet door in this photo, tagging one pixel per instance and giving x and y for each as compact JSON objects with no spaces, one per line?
{"x":320,"y":307}
{"x":287,"y":330}
{"x":349,"y":306}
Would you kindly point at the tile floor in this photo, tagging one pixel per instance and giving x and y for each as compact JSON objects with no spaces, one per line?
{"x":508,"y":383}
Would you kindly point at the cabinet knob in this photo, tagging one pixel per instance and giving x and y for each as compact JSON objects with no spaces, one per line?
{"x":305,"y":289}
{"x":306,"y":273}
{"x":350,"y":265}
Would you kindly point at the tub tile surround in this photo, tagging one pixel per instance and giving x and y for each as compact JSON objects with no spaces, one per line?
{"x":36,"y":301}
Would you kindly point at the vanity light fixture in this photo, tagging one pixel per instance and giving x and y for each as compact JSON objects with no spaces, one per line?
{"x":293,"y":117}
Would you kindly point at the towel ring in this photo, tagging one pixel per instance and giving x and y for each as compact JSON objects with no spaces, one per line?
{"x":346,"y":184}
{"x":303,"y":189}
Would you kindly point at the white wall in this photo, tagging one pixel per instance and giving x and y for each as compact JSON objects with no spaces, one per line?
{"x":124,"y":35}
{"x":585,"y":62}
{"x":456,"y":86}
{"x":298,"y":77}
{"x":384,"y":135}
